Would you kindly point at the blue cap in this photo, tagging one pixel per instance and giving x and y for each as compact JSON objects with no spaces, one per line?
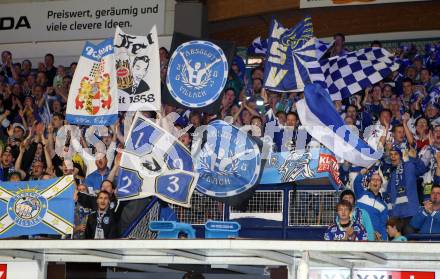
{"x":398,"y":149}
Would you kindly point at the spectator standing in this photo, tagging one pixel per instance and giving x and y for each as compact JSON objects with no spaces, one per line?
{"x":371,"y":201}
{"x":101,"y":224}
{"x":358,"y":215}
{"x":427,"y":219}
{"x":51,"y":70}
{"x":401,"y":194}
{"x":344,"y":228}
{"x":94,"y":179}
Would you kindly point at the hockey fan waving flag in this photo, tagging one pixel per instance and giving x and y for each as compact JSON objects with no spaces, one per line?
{"x":93,"y":95}
{"x":321,"y":120}
{"x":155,"y":163}
{"x":138,"y":71}
{"x":37,"y":207}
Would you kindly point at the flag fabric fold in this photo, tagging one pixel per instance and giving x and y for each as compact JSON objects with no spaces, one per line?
{"x":258,"y":47}
{"x":322,"y":48}
{"x":321,"y":120}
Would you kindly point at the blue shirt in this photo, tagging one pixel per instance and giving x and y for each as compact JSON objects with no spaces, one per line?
{"x":426,"y":223}
{"x":374,"y":205}
{"x":95,"y":179}
{"x":400,"y":238}
{"x":405,"y":201}
{"x":363,"y":120}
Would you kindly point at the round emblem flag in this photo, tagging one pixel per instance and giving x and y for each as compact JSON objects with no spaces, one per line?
{"x":197,"y":73}
{"x":228,"y":163}
{"x":27,"y":208}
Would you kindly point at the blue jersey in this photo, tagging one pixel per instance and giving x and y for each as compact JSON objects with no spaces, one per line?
{"x":373,"y":204}
{"x":426,"y":223}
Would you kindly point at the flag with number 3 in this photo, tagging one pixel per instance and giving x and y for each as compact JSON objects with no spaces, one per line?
{"x":155,"y":163}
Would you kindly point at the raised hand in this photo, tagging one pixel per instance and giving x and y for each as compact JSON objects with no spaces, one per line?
{"x":406,"y":116}
{"x":427,"y":205}
{"x":413,"y":153}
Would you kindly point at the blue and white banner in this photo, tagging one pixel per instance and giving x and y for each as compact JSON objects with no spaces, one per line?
{"x":37,"y":207}
{"x":321,"y":120}
{"x":322,"y":48}
{"x":351,"y":73}
{"x":316,"y":164}
{"x":258,"y":47}
{"x":197,"y":73}
{"x":228,"y":161}
{"x":155,"y":163}
{"x":93,"y":94}
{"x":138,"y":71}
{"x":288,"y":52}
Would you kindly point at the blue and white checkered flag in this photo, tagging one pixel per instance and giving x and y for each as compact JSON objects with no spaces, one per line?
{"x":348,"y":74}
{"x":322,"y":48}
{"x":258,"y":46}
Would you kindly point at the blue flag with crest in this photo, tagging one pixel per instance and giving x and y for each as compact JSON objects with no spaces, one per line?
{"x":37,"y":207}
{"x":227,"y":159}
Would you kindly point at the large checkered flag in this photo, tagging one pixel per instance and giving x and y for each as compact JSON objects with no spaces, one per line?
{"x":322,"y":48}
{"x":351,"y":73}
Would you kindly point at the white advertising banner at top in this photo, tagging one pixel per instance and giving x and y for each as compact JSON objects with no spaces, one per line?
{"x":336,"y":3}
{"x":78,"y":20}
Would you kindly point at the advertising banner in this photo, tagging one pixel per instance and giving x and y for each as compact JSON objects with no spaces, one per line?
{"x":309,"y":167}
{"x":318,"y":273}
{"x":78,"y":20}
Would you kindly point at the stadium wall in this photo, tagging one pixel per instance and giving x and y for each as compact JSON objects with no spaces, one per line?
{"x":238,"y":21}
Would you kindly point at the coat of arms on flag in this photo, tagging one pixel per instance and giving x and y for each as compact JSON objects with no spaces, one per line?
{"x":93,"y":92}
{"x":155,"y":163}
{"x":138,"y":71}
{"x":37,"y":207}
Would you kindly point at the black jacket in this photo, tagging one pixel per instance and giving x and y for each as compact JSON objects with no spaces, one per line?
{"x":89,"y":201}
{"x":108,"y":225}
{"x":142,"y":87}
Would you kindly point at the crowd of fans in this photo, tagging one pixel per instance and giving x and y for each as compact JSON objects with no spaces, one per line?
{"x":400,"y":115}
